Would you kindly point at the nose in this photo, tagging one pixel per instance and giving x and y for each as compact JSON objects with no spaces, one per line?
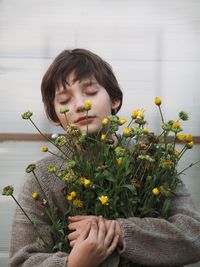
{"x":80,"y":101}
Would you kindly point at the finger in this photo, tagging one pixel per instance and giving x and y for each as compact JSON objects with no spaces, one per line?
{"x":72,"y":226}
{"x":72,"y":243}
{"x":81,"y":218}
{"x":93,"y":234}
{"x":101,"y":230}
{"x":73,"y":236}
{"x":110,"y":234}
{"x":77,"y":218}
{"x":112,"y":246}
{"x":85,"y":233}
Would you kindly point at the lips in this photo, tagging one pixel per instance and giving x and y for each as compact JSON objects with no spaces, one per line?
{"x":84,"y":118}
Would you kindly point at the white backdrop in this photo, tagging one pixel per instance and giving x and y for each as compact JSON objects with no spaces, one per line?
{"x":153,"y":46}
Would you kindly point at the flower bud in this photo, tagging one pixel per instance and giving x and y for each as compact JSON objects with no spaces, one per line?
{"x":27,"y":115}
{"x":188,"y":137}
{"x":155,"y":191}
{"x":103,"y":137}
{"x":157,"y":101}
{"x":183,"y":116}
{"x":180,"y":136}
{"x":105,"y":121}
{"x":8,"y":190}
{"x":64,"y":110}
{"x":44,"y":148}
{"x":190,"y":145}
{"x":35,"y":195}
{"x":31,"y":167}
{"x":88,"y":105}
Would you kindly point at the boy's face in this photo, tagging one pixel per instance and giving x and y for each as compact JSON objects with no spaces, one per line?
{"x":74,"y":98}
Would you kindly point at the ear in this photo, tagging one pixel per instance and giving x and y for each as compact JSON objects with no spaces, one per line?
{"x":115,"y":104}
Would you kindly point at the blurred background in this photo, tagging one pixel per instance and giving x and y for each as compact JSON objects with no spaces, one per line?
{"x":152,"y":45}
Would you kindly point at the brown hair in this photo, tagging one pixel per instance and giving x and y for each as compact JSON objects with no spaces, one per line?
{"x":84,"y":64}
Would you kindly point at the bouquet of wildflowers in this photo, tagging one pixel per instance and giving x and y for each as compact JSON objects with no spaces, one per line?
{"x":133,"y":174}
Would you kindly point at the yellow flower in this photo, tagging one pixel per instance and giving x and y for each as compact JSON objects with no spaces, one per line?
{"x":68,"y":176}
{"x":190,"y":144}
{"x":145,"y":130}
{"x":127,"y":132}
{"x":176,"y":127}
{"x":103,"y":137}
{"x":180,"y":136}
{"x":188,"y":137}
{"x":88,"y":105}
{"x":157,"y":101}
{"x":138,"y":114}
{"x":105,"y":121}
{"x":71,"y":196}
{"x":78,"y":203}
{"x":176,"y":153}
{"x":155,"y":191}
{"x":122,"y":121}
{"x":119,"y":161}
{"x":35,"y":195}
{"x":44,"y":148}
{"x":134,"y":114}
{"x":103,"y":200}
{"x":73,"y":193}
{"x":44,"y":201}
{"x":84,"y":181}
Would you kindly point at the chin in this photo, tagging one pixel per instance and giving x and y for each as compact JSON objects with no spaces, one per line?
{"x":92,"y":129}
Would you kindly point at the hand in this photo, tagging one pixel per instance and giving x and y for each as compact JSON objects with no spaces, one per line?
{"x":78,"y":224}
{"x":93,"y":245}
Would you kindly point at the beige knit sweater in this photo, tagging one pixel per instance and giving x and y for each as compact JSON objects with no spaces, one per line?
{"x":146,"y":241}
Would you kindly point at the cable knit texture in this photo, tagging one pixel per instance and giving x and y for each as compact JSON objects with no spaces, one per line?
{"x":146,"y":241}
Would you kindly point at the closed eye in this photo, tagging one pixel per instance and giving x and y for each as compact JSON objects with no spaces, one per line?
{"x":91,"y":93}
{"x":64,"y":102}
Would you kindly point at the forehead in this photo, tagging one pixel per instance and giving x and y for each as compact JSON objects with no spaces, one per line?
{"x":71,"y":79}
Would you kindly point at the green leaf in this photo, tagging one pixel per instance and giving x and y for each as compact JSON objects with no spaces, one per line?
{"x":108,"y":176}
{"x":131,"y":187}
{"x":112,"y":261}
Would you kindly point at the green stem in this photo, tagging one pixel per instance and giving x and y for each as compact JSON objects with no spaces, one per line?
{"x":87,"y":122}
{"x":182,"y":152}
{"x":174,"y":141}
{"x":191,"y":165}
{"x":66,"y":119}
{"x":129,"y":123}
{"x":161,"y":114}
{"x":46,"y":137}
{"x":39,"y":185}
{"x":54,"y":154}
{"x":32,"y":223}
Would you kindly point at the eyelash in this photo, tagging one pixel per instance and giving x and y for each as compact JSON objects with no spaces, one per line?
{"x":91,"y":93}
{"x":64,"y":102}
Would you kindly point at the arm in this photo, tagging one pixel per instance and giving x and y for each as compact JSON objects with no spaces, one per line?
{"x":159,"y":242}
{"x":94,"y":245}
{"x":24,"y":250}
{"x":153,"y":241}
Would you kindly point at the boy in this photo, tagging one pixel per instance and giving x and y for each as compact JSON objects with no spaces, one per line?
{"x":74,"y":77}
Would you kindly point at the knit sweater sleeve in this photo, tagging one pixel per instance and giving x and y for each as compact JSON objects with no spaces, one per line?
{"x":25,"y":250}
{"x":159,"y":242}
